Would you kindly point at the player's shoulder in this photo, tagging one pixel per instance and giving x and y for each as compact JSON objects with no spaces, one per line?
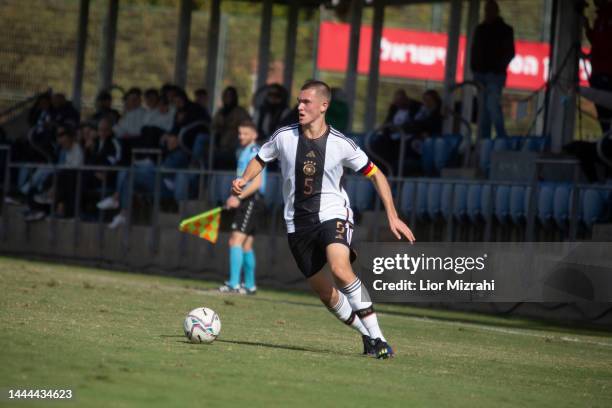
{"x":341,"y":139}
{"x":290,"y":130}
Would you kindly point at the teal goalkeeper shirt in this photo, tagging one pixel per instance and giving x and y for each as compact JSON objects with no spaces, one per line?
{"x":244,"y":156}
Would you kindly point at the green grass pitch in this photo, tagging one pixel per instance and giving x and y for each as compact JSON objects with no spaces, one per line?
{"x":116,"y":340}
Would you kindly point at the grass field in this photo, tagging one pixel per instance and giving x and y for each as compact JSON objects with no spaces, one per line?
{"x":116,"y":340}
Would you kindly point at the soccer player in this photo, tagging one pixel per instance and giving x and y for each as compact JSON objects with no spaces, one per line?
{"x":319,"y":219}
{"x":249,"y":206}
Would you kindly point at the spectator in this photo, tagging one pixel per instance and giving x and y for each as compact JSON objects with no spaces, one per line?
{"x":338,"y":112}
{"x":225,"y":128}
{"x":173,"y":185}
{"x":101,"y":148}
{"x":492,"y":51}
{"x":40,"y":196}
{"x":134,"y":116}
{"x":63,"y":112}
{"x":201,"y":98}
{"x":104,"y":108}
{"x":151,"y":98}
{"x":600,"y":36}
{"x":170,"y":91}
{"x":272,"y":110}
{"x":402,"y":111}
{"x":162,"y":117}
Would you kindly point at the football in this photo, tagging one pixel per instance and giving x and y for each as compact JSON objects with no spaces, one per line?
{"x":202,"y":325}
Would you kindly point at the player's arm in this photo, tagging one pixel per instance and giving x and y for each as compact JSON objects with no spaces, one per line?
{"x":253,"y":170}
{"x":253,"y":187}
{"x":398,"y":227}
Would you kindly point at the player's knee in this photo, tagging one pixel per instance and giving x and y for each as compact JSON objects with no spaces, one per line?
{"x":341,"y":269}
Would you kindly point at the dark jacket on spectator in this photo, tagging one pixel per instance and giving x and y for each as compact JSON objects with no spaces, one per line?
{"x":600,"y":37}
{"x":425,"y":122}
{"x":66,"y":115}
{"x":492,"y":47}
{"x":104,"y":153}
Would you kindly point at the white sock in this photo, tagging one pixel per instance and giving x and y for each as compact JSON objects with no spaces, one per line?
{"x":343,"y":311}
{"x":359,"y":300}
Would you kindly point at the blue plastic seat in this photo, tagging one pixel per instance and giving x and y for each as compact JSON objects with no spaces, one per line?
{"x":592,"y":206}
{"x":222,"y":186}
{"x":473,"y":202}
{"x":484,"y":158}
{"x":460,"y":201}
{"x":446,"y":205}
{"x":546,"y":195}
{"x":486,"y":200}
{"x":274,"y":190}
{"x":407,"y":198}
{"x":561,"y":204}
{"x":360,"y":192}
{"x":434,"y":194}
{"x":502,"y":203}
{"x":428,"y":157}
{"x":421,"y":204}
{"x":517,"y":204}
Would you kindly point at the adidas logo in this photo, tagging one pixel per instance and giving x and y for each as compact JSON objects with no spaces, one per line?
{"x":311,"y":154}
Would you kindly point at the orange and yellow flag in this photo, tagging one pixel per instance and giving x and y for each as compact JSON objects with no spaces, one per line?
{"x":205,"y":225}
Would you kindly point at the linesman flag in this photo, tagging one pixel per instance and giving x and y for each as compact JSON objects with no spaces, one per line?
{"x":205,"y":225}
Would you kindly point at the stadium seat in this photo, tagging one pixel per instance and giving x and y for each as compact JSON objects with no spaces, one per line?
{"x":485,"y":200}
{"x":561,"y":204}
{"x":592,"y":206}
{"x":274,"y":190}
{"x":484,"y":159}
{"x":407,"y":198}
{"x":460,"y":201}
{"x":517,"y":204}
{"x":428,"y":157}
{"x":501,"y":144}
{"x":446,"y":149}
{"x":221,"y":187}
{"x":434,"y":193}
{"x":446,"y":201}
{"x":421,"y":204}
{"x":546,"y":195}
{"x":473,"y":202}
{"x":502,"y":203}
{"x":361,"y":193}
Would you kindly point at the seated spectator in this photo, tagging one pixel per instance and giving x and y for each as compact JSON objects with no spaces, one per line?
{"x":169,"y":91}
{"x":191,"y":126}
{"x":402,"y":110}
{"x":225,"y":129}
{"x":273,"y":108}
{"x":133,"y":118}
{"x":162,"y":117}
{"x":426,"y":122}
{"x":338,"y":112}
{"x":172,"y":185}
{"x":201,"y":98}
{"x":151,"y":99}
{"x":104,"y":108}
{"x":63,"y":112}
{"x":40,"y":195}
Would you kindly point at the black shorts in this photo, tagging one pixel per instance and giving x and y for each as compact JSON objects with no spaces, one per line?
{"x":308,"y":245}
{"x":247,"y":216}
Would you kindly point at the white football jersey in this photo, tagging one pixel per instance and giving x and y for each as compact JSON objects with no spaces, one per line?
{"x":312,"y":170}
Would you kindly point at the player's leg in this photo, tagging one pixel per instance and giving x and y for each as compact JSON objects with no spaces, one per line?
{"x":249,"y":265}
{"x":335,"y":300}
{"x":338,"y":257}
{"x":236,"y":259}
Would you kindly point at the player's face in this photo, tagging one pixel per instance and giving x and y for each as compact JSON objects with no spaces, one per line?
{"x":246,"y":135}
{"x":311,"y":106}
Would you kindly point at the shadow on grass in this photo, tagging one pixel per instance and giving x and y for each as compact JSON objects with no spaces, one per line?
{"x":267,"y":345}
{"x":504,"y":321}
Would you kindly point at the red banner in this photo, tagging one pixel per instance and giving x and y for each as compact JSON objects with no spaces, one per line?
{"x":422,"y":55}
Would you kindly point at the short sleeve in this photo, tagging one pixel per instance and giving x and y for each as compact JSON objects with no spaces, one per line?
{"x":270,"y":150}
{"x":355,"y":159}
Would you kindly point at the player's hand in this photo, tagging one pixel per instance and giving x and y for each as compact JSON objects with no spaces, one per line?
{"x":399,"y":229}
{"x":237,"y":185}
{"x":232,"y":202}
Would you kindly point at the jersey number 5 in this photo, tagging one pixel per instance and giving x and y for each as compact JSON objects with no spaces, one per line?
{"x":308,"y":188}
